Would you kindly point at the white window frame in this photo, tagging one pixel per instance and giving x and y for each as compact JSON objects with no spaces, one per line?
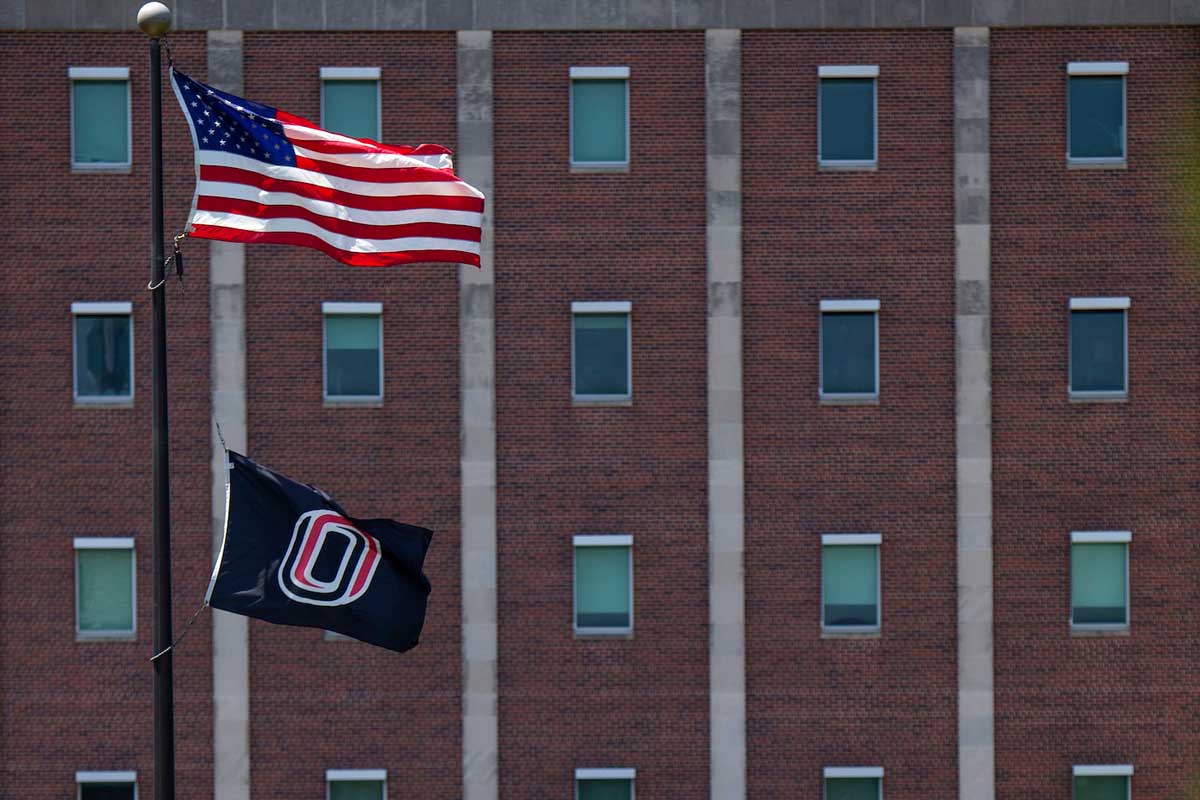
{"x":79,"y":74}
{"x":107,"y":543}
{"x":855,"y":539}
{"x":1084,"y":304}
{"x":607,"y":774}
{"x":1077,"y":69}
{"x":334,"y":775}
{"x":599,"y":540}
{"x":605,"y":307}
{"x":845,"y":307}
{"x":596,"y":73}
{"x":835,"y":72}
{"x":1103,"y":771}
{"x":121,"y":309}
{"x":349,"y":309}
{"x":1101,"y":537}
{"x":105,"y":776}
{"x":851,"y":772}
{"x":329,"y":74}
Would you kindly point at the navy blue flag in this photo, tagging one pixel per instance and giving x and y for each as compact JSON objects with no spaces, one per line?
{"x":291,"y":555}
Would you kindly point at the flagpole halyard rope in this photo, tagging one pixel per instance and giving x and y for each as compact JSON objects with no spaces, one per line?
{"x":179,"y":638}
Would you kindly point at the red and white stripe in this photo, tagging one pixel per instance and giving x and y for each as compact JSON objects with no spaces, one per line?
{"x":358,"y":201}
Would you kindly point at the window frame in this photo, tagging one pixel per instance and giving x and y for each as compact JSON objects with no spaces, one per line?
{"x":105,"y":776}
{"x":333,"y":74}
{"x":581,"y":540}
{"x":82,"y":74}
{"x":855,"y":540}
{"x":1083,"y":69}
{"x":339,"y":309}
{"x":1102,"y":771}
{"x":835,"y":72}
{"x":625,"y":307}
{"x":1084,"y":305}
{"x":117,"y":309}
{"x":607,"y":774}
{"x":1098,"y":537}
{"x":334,"y":775}
{"x":107,"y":543}
{"x":845,"y":307}
{"x":850,"y":772}
{"x":596,"y":73}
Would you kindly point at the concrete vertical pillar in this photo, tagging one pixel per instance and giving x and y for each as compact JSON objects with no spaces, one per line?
{"x":477,"y":353}
{"x":726,"y":481}
{"x":227,"y":304}
{"x":973,"y":358}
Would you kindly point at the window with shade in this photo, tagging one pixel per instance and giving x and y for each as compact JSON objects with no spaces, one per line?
{"x":1096,"y":112}
{"x":110,"y":785}
{"x":105,"y":588}
{"x":850,"y":582}
{"x":603,"y":584}
{"x":1100,"y":579}
{"x":604,"y":784}
{"x":849,"y":349}
{"x":600,"y":351}
{"x":1099,"y":364}
{"x":853,"y":783}
{"x":350,"y":101}
{"x":356,"y":784}
{"x":1102,"y":782}
{"x":103,"y":344}
{"x":600,"y":117}
{"x":100,"y":119}
{"x":847,"y":118}
{"x":353,"y":352}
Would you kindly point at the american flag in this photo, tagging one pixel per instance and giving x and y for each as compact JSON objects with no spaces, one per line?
{"x":264,"y":175}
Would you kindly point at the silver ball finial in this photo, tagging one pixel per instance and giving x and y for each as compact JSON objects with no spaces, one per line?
{"x":154,"y":19}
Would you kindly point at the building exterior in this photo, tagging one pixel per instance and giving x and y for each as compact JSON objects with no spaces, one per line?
{"x":822,"y":422}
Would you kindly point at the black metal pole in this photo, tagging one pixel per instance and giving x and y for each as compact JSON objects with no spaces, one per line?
{"x":164,"y":691}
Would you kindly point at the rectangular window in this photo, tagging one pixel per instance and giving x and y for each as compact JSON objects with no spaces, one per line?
{"x":850,"y":581}
{"x":356,"y":784}
{"x":600,"y":116}
{"x":106,"y":785}
{"x":1099,"y":347}
{"x":100,"y":120}
{"x":604,"y":583}
{"x":1102,"y":782}
{"x":353,"y":351}
{"x":849,"y":349}
{"x":604,"y":784}
{"x":1100,"y":579}
{"x":103,"y":344}
{"x":1096,"y":111}
{"x":847,"y":113}
{"x":350,"y":101}
{"x":105,"y":588}
{"x":600,"y":351}
{"x":853,"y":783}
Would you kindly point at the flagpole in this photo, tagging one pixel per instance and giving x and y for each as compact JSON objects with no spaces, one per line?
{"x":154,"y":19}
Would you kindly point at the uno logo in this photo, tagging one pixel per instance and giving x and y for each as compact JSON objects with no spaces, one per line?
{"x":329,"y":539}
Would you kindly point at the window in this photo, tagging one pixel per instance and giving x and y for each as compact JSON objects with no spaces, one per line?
{"x":604,"y":784}
{"x":1100,"y":579}
{"x":846,"y":109}
{"x":600,"y":116}
{"x":103,"y":352}
{"x":105,"y":588}
{"x":1098,"y":359}
{"x":100,"y":121}
{"x":853,"y":783}
{"x":353,"y":352}
{"x":1096,"y":111}
{"x":1102,"y":782}
{"x":604,"y":584}
{"x":850,"y":581}
{"x":849,"y":349}
{"x":350,"y":101}
{"x":600,"y":351}
{"x":106,"y":785}
{"x":356,"y":784}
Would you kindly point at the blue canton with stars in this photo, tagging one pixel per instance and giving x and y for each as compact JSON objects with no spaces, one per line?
{"x":228,"y":124}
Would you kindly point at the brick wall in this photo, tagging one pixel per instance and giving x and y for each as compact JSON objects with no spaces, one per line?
{"x":71,"y":470}
{"x":319,"y":704}
{"x":564,"y":469}
{"x":889,"y":468}
{"x":1061,"y":466}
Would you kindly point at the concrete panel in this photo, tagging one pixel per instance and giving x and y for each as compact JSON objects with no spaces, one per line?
{"x":971,"y":136}
{"x":107,"y":14}
{"x":898,"y":13}
{"x":750,"y":14}
{"x":1186,"y":12}
{"x":55,"y":14}
{"x":350,"y":15}
{"x":524,"y":14}
{"x":225,"y":60}
{"x":402,"y":15}
{"x":255,"y":15}
{"x":847,"y":13}
{"x":648,"y":13}
{"x":1147,"y":12}
{"x":797,"y":13}
{"x":12,"y":15}
{"x":947,"y":13}
{"x":698,"y":14}
{"x":996,"y":12}
{"x":973,"y":297}
{"x":449,"y":15}
{"x":599,"y":14}
{"x":193,"y":15}
{"x":299,"y":15}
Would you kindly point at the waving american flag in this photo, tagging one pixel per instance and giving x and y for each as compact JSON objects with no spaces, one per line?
{"x":264,"y":175}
